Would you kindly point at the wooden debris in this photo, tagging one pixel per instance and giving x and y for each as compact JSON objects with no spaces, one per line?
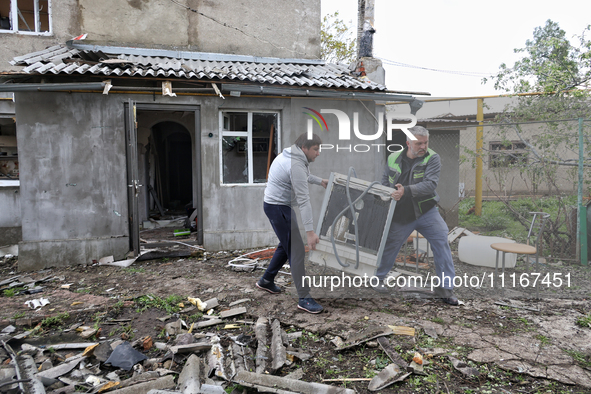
{"x":208,"y":323}
{"x":401,"y":330}
{"x":78,"y":345}
{"x":232,"y":312}
{"x":108,"y":386}
{"x":89,"y":350}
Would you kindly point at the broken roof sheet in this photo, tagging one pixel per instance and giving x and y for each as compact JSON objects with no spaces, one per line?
{"x":110,"y":61}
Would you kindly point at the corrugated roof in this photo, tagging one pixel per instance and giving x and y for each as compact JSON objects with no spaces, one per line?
{"x":66,"y":59}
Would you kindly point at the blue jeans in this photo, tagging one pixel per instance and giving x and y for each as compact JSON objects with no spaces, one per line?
{"x":432,"y":226}
{"x":291,"y":247}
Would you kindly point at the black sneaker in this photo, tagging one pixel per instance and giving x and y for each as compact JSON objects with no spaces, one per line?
{"x":268,"y":286}
{"x":309,"y":305}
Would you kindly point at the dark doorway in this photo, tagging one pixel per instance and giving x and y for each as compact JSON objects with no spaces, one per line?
{"x":173,"y":153}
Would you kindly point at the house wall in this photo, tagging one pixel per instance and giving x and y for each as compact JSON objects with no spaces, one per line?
{"x":73,"y":179}
{"x":518,"y":180}
{"x":252,"y":27}
{"x":73,"y":173}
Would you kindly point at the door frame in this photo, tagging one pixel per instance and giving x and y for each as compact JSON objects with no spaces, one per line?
{"x":131,"y":108}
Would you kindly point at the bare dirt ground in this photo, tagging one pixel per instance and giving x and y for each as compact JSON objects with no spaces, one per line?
{"x":513,"y":342}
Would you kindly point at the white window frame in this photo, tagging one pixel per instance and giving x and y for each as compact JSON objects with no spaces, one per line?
{"x":248,"y":134}
{"x":15,"y":20}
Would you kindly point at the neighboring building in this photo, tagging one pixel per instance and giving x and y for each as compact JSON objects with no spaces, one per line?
{"x":507,"y":158}
{"x":170,"y":103}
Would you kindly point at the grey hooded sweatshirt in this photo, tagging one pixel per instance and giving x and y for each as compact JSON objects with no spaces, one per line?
{"x":289,"y":176}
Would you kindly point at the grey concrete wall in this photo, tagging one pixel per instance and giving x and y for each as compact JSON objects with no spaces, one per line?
{"x":10,"y":215}
{"x":278,"y":28}
{"x":275,"y":28}
{"x":233,"y":216}
{"x":73,"y":178}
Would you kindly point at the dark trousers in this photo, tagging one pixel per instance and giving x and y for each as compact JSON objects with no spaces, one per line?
{"x":291,"y":247}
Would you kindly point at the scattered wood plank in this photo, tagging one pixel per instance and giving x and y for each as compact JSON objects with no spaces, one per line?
{"x":232,"y":312}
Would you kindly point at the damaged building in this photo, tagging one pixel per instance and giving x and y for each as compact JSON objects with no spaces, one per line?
{"x":113,"y":110}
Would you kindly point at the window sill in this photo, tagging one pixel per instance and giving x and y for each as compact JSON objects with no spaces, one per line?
{"x":9,"y":182}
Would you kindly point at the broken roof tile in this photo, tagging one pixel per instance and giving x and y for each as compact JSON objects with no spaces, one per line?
{"x":281,"y":72}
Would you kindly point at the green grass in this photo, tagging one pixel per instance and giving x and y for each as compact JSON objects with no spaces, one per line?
{"x":18,"y":315}
{"x":584,"y":321}
{"x":55,"y":320}
{"x":499,"y":220}
{"x":168,"y":304}
{"x":9,"y":292}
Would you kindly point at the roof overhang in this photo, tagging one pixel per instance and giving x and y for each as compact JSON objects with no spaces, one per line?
{"x":51,"y":87}
{"x":300,"y":92}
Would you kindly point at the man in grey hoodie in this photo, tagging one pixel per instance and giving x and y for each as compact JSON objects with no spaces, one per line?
{"x":287,"y":187}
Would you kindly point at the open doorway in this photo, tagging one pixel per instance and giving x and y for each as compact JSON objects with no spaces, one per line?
{"x":172,"y":155}
{"x":168,"y":167}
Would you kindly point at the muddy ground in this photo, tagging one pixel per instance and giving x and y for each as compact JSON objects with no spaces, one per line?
{"x":516,"y":342}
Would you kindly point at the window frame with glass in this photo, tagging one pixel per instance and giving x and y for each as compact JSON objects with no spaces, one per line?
{"x":230,"y":139}
{"x":18,"y":22}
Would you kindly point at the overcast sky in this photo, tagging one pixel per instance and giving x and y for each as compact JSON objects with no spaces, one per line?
{"x":460,"y":36}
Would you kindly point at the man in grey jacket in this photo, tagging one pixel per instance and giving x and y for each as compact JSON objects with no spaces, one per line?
{"x":414,"y":173}
{"x":287,"y":187}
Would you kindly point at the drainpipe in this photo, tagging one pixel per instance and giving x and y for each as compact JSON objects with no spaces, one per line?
{"x":479,"y":152}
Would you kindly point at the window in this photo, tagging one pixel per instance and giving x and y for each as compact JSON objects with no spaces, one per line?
{"x":25,"y":16}
{"x":249,"y":143}
{"x":8,"y":150}
{"x":507,"y":154}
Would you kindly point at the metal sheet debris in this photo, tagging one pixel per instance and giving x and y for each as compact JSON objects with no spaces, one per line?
{"x":251,"y":379}
{"x":390,"y":352}
{"x":387,"y":376}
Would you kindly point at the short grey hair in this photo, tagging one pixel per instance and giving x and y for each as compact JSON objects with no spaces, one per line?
{"x":418,"y":131}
